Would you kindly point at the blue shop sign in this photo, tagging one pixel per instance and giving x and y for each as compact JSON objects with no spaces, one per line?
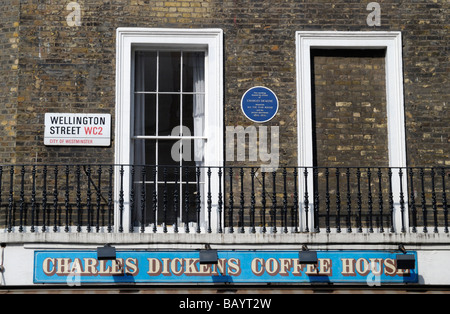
{"x":259,"y":104}
{"x":73,"y":267}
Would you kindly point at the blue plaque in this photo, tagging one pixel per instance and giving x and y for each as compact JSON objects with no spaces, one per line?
{"x":259,"y":104}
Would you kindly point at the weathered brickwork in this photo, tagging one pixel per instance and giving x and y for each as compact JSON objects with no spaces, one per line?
{"x":350,"y":108}
{"x":48,"y":65}
{"x":9,"y":78}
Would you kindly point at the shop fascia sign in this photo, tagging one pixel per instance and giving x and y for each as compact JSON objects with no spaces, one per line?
{"x":68,"y":129}
{"x":367,"y":267}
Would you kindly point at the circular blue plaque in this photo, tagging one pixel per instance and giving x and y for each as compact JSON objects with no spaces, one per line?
{"x":259,"y":104}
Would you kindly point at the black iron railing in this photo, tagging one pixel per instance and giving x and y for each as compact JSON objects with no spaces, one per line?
{"x":169,"y":199}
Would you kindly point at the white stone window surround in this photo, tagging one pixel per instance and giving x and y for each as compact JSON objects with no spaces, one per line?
{"x":392,"y":42}
{"x":211,"y":40}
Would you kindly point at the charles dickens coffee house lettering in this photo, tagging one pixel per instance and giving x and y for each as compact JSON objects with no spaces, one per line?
{"x":77,"y":129}
{"x":232,"y":266}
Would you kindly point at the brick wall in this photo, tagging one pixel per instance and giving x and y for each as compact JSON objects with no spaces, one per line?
{"x":350,"y":108}
{"x":9,"y":78}
{"x":69,"y":69}
{"x":64,"y":68}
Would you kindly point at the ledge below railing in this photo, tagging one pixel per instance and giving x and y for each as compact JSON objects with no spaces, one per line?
{"x":229,"y":241}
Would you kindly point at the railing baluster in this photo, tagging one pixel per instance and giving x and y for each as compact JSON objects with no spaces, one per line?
{"x":165,"y":201}
{"x":274,"y":202}
{"x":231,"y":202}
{"x":55,"y":201}
{"x":380,"y":198}
{"x":327,"y":201}
{"x":349,"y":203}
{"x":412,"y":201}
{"x":444,"y":200}
{"x":33,"y":198}
{"x":338,"y":201}
{"x":198,"y":199}
{"x":99,"y":195}
{"x":186,"y":199}
{"x":424,"y":205}
{"x":391,"y":201}
{"x":263,"y":202}
{"x":209,"y":200}
{"x":44,"y":198}
{"x":22,"y":198}
{"x":433,"y":200}
{"x":1,"y":184}
{"x":316,"y":202}
{"x":143,"y":198}
{"x":176,"y":208}
{"x":155,"y":198}
{"x":284,"y":219}
{"x":11,"y":199}
{"x":359,"y":200}
{"x":220,"y":201}
{"x":242,"y":198}
{"x":66,"y":200}
{"x":306,"y":200}
{"x":252,"y":202}
{"x":295,"y":207}
{"x":121,"y":199}
{"x":110,"y":198}
{"x":88,"y":199}
{"x":78,"y":174}
{"x":133,"y":209}
{"x":370,"y":200}
{"x":402,"y":200}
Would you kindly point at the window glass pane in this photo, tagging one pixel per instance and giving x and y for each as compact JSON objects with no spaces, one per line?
{"x":194,"y":114}
{"x":145,"y":114}
{"x":165,"y":148}
{"x":144,"y":152}
{"x":193,"y":71}
{"x":188,"y":117}
{"x":169,"y":72}
{"x":150,"y":152}
{"x":169,"y":114}
{"x":145,"y":71}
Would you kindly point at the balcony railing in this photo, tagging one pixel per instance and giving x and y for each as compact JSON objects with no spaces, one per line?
{"x":168,"y":199}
